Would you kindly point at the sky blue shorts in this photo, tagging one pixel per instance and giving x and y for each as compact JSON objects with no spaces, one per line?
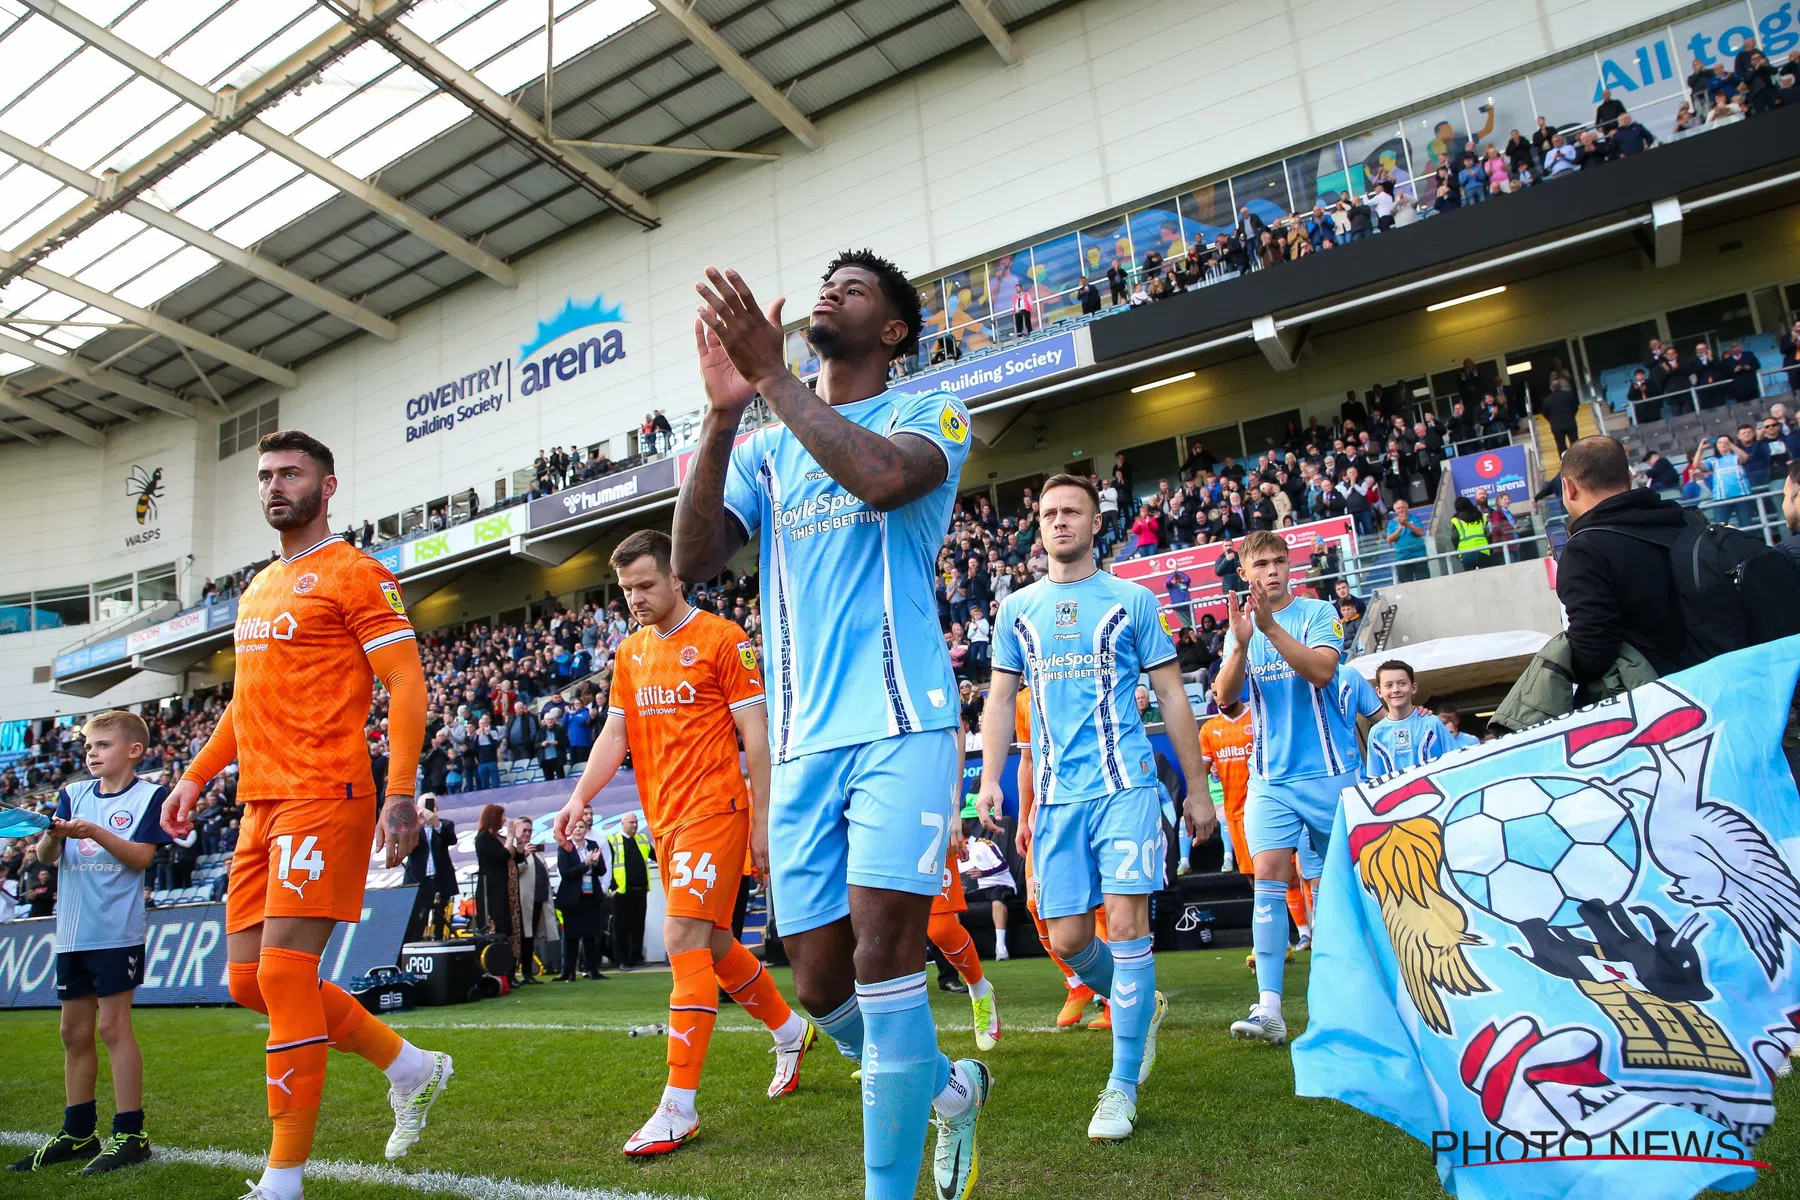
{"x":876,"y":815}
{"x":1276,"y":813}
{"x":1108,"y":846}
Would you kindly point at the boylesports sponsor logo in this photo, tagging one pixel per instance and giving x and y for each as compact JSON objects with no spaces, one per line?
{"x":1073,"y":664}
{"x":819,"y":514}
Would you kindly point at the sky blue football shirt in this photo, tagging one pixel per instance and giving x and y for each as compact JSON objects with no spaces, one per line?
{"x":851,"y":640}
{"x":1081,"y":647}
{"x":1297,"y":726}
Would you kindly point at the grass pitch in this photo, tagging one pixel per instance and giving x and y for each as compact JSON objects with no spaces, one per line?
{"x":548,"y":1087}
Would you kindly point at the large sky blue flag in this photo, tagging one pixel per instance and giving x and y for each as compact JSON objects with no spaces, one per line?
{"x":1574,"y":946}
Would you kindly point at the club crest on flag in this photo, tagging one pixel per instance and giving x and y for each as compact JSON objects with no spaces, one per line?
{"x":1586,"y":929}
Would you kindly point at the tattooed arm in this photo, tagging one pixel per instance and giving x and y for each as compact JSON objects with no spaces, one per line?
{"x":705,"y":534}
{"x":882,"y":472}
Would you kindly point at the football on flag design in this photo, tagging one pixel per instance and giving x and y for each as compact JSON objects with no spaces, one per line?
{"x":1593,"y":927}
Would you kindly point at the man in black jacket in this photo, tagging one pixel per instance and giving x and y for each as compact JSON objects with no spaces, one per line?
{"x":1618,"y":587}
{"x":1561,"y":409}
{"x":429,"y":869}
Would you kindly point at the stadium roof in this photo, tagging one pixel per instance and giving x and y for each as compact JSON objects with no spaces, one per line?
{"x":198,"y":196}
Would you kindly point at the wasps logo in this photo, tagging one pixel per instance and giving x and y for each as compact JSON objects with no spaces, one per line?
{"x":1337,"y":628}
{"x":391,"y":593}
{"x":1168,"y":625}
{"x":954,"y":424}
{"x":146,"y":488}
{"x":747,"y":656}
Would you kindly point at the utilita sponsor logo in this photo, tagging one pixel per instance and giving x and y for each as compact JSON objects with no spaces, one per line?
{"x":580,"y":502}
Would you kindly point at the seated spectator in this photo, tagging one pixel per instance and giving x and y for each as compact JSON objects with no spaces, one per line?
{"x":1561,"y":160}
{"x":1660,"y":473}
{"x":1686,"y":119}
{"x":1472,"y":181}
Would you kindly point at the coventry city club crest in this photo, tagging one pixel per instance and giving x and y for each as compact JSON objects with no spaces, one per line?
{"x":1065,"y":612}
{"x":1581,"y":911}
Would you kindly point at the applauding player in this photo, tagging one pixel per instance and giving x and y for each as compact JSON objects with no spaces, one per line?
{"x":684,"y":688}
{"x":850,"y":497}
{"x":1285,"y":649}
{"x":1081,"y":637}
{"x":317,"y":623}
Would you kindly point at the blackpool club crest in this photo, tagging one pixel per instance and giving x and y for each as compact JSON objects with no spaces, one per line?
{"x":1588,"y":865}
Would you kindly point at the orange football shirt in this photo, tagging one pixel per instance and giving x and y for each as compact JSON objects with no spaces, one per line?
{"x":305,"y":628}
{"x":1227,"y":743}
{"x":677,"y":695}
{"x":1022,"y":718}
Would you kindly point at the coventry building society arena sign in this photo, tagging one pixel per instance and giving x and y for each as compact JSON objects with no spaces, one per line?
{"x":489,"y":388}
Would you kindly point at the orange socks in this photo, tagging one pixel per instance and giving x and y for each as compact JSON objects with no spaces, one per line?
{"x":1100,"y":924}
{"x":241,"y":980}
{"x":1300,"y":896}
{"x":746,"y":982}
{"x":947,"y":934}
{"x":353,"y":1031}
{"x":693,"y":1010}
{"x":295,"y":1070}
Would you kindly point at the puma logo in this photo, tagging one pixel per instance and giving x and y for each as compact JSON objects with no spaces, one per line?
{"x":282,"y":1082}
{"x":637,"y":658}
{"x":299,"y":888}
{"x":682,"y":1037}
{"x":747,"y":1002}
{"x":697,"y":893}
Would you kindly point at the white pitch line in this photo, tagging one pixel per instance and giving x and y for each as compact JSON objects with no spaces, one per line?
{"x":564,"y":1027}
{"x":476,"y":1187}
{"x":556,"y":1027}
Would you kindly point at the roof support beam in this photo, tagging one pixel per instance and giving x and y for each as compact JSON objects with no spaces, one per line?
{"x":230,"y":110}
{"x":44,"y":414}
{"x":108,"y":406}
{"x":175,"y":331}
{"x":15,"y":431}
{"x":253,"y":264}
{"x":523,"y":129}
{"x":992,"y":28}
{"x":745,"y":75}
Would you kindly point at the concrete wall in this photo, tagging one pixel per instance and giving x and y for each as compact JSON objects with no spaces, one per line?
{"x":1497,"y":599}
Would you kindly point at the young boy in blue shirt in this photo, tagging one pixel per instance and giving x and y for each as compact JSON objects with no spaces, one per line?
{"x":105,"y":833}
{"x":1404,"y":736}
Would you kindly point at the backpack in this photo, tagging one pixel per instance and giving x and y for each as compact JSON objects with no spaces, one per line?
{"x":1734,"y":589}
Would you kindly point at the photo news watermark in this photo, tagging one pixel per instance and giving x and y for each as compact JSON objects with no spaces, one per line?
{"x":1513,"y":1147}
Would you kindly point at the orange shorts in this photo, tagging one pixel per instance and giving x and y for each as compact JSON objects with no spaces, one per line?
{"x":951,"y":899}
{"x":1240,"y":843}
{"x":300,"y":858}
{"x":702,"y":866}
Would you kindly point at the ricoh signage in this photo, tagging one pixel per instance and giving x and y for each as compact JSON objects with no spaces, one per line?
{"x":583,"y":336}
{"x":599,"y":495}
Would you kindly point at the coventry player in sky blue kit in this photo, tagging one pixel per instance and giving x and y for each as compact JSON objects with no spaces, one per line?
{"x":1283,"y":650}
{"x":1080,"y":638}
{"x":849,"y":498}
{"x":1405,"y":736}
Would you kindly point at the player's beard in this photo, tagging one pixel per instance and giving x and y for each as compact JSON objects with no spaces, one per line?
{"x":827,"y":341}
{"x":1074,"y":554}
{"x":301,"y":509}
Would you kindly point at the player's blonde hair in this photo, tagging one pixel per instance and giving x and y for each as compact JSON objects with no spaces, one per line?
{"x":127,"y":725}
{"x":1262,"y":541}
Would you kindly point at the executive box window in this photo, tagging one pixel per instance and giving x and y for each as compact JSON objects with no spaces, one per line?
{"x":243,"y":431}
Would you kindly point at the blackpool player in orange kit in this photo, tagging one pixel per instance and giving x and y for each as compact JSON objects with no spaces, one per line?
{"x":685,"y":687}
{"x":314,"y":628}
